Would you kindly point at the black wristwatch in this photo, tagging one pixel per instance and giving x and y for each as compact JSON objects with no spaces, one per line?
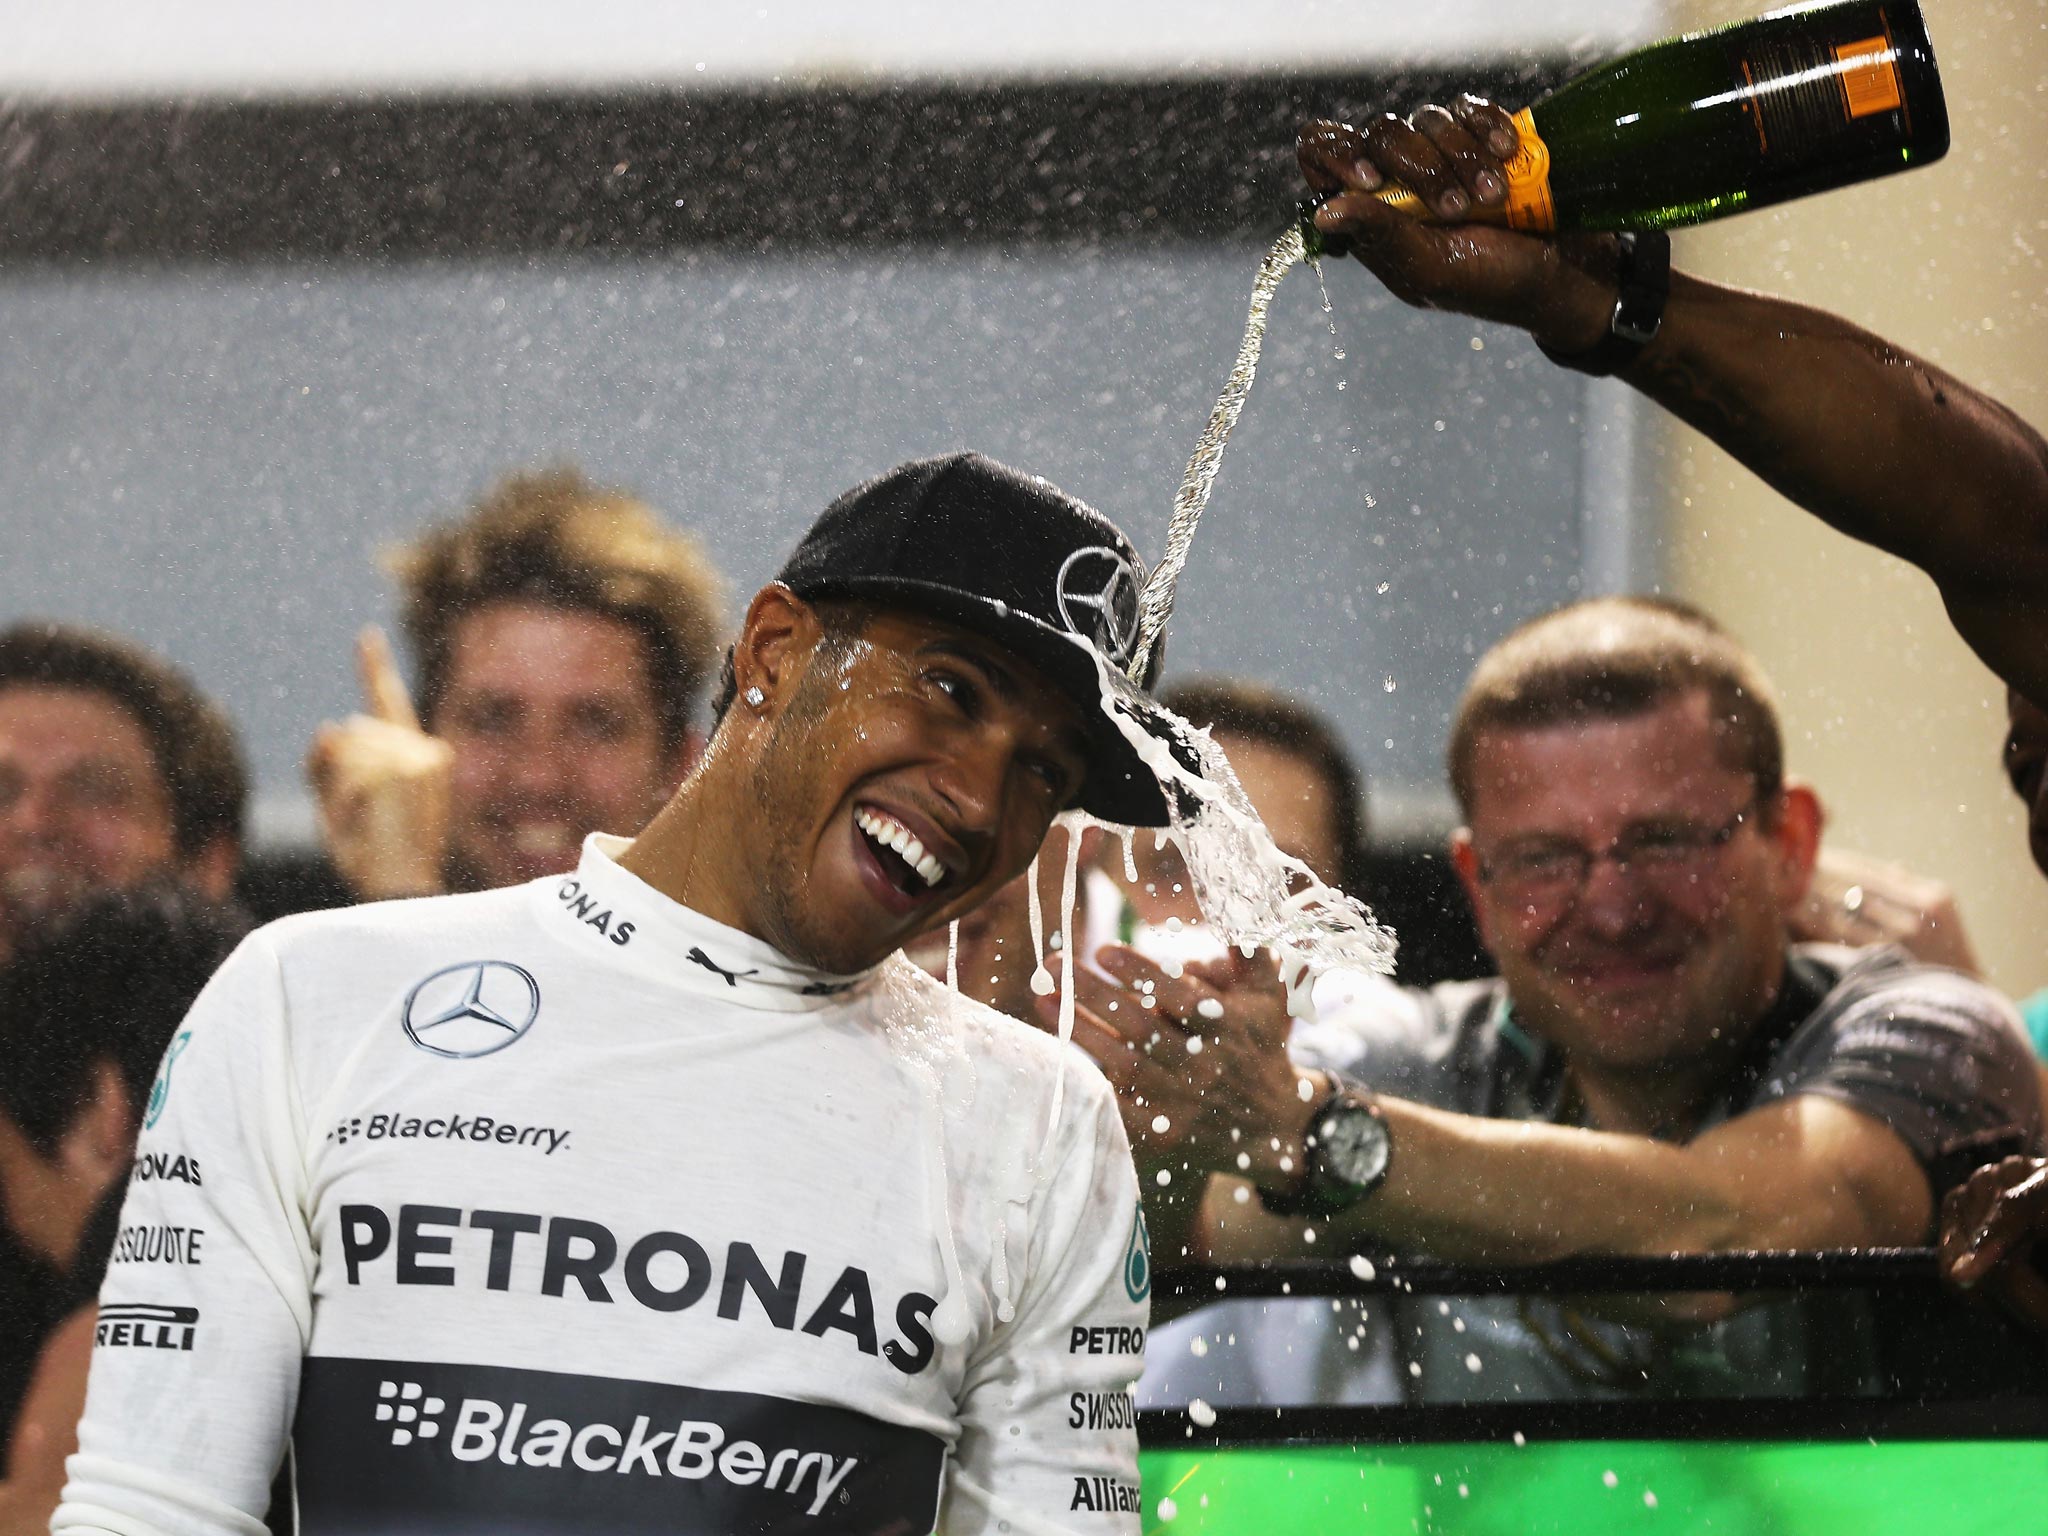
{"x":1643,"y":283}
{"x":1345,"y":1157}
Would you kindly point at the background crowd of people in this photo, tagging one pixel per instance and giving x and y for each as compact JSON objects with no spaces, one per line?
{"x":1677,"y":1021}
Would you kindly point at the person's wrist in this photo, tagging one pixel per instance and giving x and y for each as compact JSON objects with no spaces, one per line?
{"x":1571,"y":311}
{"x":1637,"y":268}
{"x":1276,"y":1155}
{"x":1576,"y":326}
{"x":1347,"y":1149}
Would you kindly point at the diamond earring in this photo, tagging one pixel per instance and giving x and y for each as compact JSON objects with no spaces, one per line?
{"x":755,"y":698}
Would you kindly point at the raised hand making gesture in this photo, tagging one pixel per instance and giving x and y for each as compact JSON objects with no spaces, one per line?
{"x":383,"y":786}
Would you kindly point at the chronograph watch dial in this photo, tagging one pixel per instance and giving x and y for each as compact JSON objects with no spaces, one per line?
{"x":1349,"y":1149}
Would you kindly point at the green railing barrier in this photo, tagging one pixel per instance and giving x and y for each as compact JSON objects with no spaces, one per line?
{"x":1601,"y":1488}
{"x":1945,"y":1452}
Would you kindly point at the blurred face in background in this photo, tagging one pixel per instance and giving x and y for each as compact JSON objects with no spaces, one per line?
{"x":552,"y":718}
{"x":83,"y":805}
{"x":1631,"y":888}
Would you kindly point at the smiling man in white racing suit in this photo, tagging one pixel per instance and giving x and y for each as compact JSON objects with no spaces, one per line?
{"x":664,"y":1195}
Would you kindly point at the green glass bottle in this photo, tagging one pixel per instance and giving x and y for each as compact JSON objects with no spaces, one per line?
{"x":1713,"y":123}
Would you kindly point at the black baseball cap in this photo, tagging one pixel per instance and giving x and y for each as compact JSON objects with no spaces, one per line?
{"x":1012,"y":557}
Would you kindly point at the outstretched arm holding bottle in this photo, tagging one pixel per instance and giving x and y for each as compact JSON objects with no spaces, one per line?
{"x":1877,"y":443}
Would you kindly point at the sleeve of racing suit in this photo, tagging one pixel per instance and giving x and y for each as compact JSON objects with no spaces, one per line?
{"x":1048,"y":1439}
{"x":195,"y":1367}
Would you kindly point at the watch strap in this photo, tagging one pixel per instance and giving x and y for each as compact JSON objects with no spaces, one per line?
{"x":1643,"y":278}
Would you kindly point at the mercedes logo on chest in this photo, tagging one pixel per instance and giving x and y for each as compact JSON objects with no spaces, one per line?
{"x":471,"y":1009}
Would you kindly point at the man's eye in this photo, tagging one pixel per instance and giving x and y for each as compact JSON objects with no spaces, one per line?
{"x":1540,"y":863}
{"x":603,"y":725}
{"x":1664,"y":840}
{"x":957,"y":688}
{"x":485,"y":719}
{"x":99,"y":789}
{"x":1054,"y":775}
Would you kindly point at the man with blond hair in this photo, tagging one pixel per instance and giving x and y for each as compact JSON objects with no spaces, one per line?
{"x":561,"y":638}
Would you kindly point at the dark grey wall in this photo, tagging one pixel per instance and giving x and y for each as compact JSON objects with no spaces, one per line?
{"x":206,"y":457}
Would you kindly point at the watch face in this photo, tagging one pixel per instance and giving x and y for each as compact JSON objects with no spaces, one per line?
{"x":1352,"y":1145}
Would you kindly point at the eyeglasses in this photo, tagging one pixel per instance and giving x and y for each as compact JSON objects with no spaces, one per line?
{"x":1539,"y":872}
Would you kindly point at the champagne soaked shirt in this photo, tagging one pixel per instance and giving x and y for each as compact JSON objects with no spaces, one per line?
{"x":562,"y":1208}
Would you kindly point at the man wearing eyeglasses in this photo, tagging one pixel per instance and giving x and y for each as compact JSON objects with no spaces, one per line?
{"x":1657,"y":1069}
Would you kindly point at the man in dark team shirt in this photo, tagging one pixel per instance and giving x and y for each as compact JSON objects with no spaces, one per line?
{"x":1657,"y":1068}
{"x":1994,"y":1230}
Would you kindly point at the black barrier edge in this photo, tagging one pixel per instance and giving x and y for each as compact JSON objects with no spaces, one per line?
{"x":823,"y":168}
{"x":1790,"y":1419}
{"x":1825,"y":1269}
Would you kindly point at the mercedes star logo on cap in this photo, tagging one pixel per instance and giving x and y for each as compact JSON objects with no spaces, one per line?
{"x":1098,"y":597}
{"x":471,"y":1009}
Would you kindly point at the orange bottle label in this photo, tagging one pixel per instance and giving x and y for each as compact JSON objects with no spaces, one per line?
{"x":1529,"y":202}
{"x":1870,"y":80}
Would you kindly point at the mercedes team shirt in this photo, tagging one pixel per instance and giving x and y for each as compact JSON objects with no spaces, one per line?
{"x":563,"y":1208}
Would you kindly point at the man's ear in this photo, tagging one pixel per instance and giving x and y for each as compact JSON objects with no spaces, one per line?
{"x":1465,"y":861}
{"x":100,"y":1141}
{"x":776,"y":640}
{"x":1801,"y":819}
{"x":211,"y":871}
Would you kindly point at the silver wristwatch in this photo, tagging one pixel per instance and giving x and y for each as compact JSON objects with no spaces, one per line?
{"x":1347,"y":1152}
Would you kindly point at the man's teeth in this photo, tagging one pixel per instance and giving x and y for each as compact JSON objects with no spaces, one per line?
{"x":893,"y":835}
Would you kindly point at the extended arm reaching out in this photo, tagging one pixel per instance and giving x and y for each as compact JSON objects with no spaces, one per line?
{"x":1839,"y":1156}
{"x":1876,"y":442}
{"x":1802,"y":1173}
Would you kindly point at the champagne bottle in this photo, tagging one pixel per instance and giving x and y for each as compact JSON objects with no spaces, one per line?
{"x":1713,"y":123}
